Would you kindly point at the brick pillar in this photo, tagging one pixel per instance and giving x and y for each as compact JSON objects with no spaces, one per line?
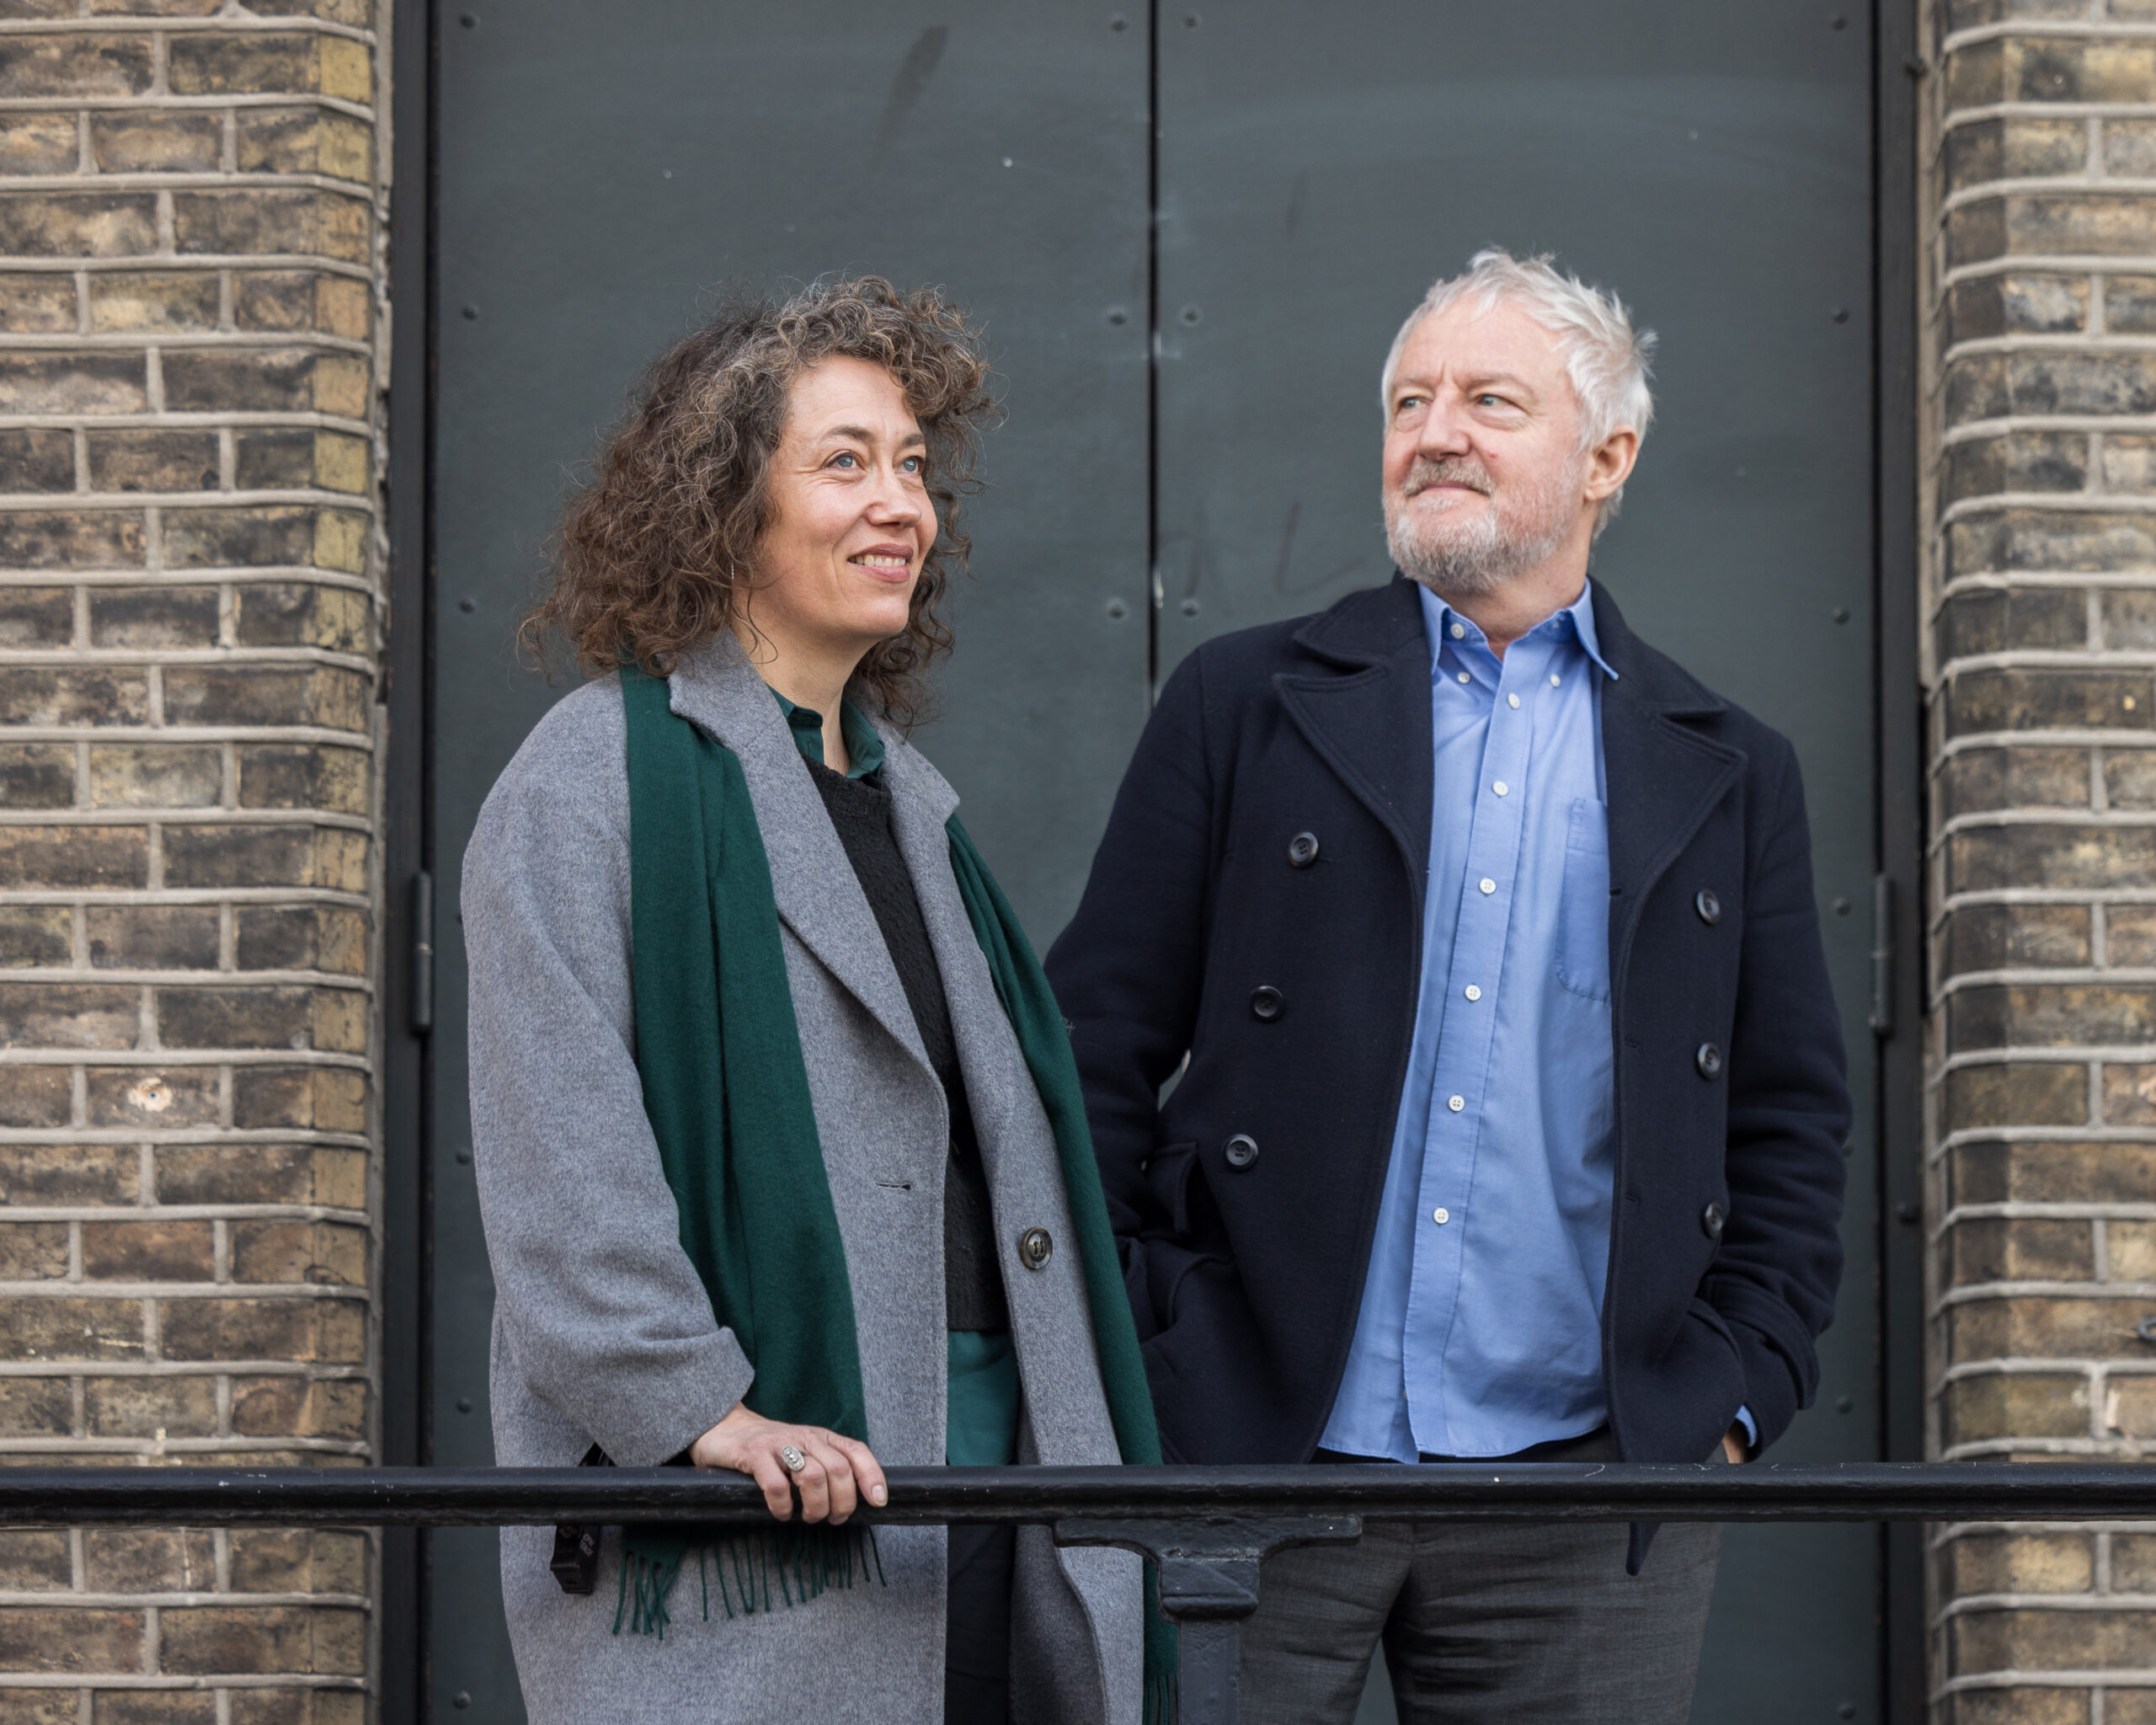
{"x":2039,"y":240}
{"x":190,"y":575}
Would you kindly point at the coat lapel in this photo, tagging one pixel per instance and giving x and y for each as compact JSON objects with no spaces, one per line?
{"x":1369,"y":719}
{"x":819,"y":895}
{"x":1664,"y":778}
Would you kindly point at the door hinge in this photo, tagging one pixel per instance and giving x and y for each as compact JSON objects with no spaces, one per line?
{"x":1882,"y":956}
{"x":422,"y":954}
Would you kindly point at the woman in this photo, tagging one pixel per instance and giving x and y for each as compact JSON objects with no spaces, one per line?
{"x":772,"y":1180}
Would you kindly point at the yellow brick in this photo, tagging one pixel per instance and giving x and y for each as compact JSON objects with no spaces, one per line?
{"x":340,"y":541}
{"x":340,"y":463}
{"x":345,"y":68}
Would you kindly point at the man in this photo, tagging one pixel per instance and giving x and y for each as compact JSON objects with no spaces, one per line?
{"x":1513,"y":1117}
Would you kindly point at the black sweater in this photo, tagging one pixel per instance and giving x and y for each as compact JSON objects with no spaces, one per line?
{"x":860,"y":809}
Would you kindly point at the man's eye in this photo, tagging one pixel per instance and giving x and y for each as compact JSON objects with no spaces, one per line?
{"x":1491,"y":401}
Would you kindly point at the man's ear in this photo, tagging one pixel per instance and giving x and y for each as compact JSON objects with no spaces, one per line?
{"x":1609,"y":463}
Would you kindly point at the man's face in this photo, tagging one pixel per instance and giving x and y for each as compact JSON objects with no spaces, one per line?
{"x":1484,"y":474}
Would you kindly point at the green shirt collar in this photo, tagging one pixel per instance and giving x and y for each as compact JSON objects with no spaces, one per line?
{"x":861,"y":743}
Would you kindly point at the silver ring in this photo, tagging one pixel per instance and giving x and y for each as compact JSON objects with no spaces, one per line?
{"x":792,"y":1460}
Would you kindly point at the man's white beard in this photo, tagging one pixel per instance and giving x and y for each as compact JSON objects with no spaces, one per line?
{"x":1459,"y":559}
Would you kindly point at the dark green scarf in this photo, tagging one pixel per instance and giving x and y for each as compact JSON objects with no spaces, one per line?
{"x":727,"y":1092}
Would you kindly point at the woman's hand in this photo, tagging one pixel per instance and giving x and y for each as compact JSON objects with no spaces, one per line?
{"x":1732,"y":1445}
{"x":839,"y":1472}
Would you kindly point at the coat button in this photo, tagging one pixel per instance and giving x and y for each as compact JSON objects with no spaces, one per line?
{"x":1708,"y":1061}
{"x":1266,"y":1003}
{"x":1302,"y":850}
{"x":1035,"y":1249}
{"x":1710,"y":1220}
{"x":1708,"y":905}
{"x":1242,"y":1151}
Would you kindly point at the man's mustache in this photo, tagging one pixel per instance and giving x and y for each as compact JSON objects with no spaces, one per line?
{"x":1454,"y":471}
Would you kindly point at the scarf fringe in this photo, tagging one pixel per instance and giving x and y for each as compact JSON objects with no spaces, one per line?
{"x":806,"y":1561}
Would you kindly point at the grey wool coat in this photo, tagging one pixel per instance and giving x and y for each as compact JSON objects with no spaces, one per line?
{"x":602,"y":1332}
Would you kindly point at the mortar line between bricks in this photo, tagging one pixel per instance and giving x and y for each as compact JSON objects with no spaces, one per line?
{"x":205,"y":340}
{"x":209,"y":419}
{"x":2134,"y":976}
{"x":1961,"y":1137}
{"x":1983,"y":113}
{"x":217,"y":24}
{"x":180,"y":1600}
{"x":119,"y":1213}
{"x":254,"y":574}
{"x":1945,"y":1533}
{"x":2045,"y":1365}
{"x":183,"y":1057}
{"x":2136,"y":1054}
{"x":1993,"y":819}
{"x":2002,"y":580}
{"x":91,"y":899}
{"x":297,"y":653}
{"x":134,"y":1681}
{"x":1965,"y":1294}
{"x":2117,"y":185}
{"x":1961,"y":664}
{"x":122,"y":1448}
{"x":2062,"y":738}
{"x":214,"y":104}
{"x":118,"y":1288}
{"x":188,"y":179}
{"x":191,"y":734}
{"x":2093,"y":29}
{"x":161,"y":263}
{"x":1970,"y":431}
{"x":2014,"y":1677}
{"x":2114,"y":1447}
{"x":1965,"y":1603}
{"x":2010,"y":262}
{"x":99,"y":502}
{"x":329,"y":819}
{"x":333,"y":1373}
{"x":2047,"y":502}
{"x":191,"y":980}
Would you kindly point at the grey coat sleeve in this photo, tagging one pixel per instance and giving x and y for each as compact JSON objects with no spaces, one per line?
{"x":603,"y":1313}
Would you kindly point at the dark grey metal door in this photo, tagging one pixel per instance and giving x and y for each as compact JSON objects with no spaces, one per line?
{"x":1319,"y":165}
{"x":605,"y":167}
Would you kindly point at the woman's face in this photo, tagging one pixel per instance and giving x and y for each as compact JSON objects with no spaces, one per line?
{"x":850,"y":516}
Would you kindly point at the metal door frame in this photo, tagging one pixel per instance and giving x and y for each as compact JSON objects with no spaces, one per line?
{"x":407,"y":853}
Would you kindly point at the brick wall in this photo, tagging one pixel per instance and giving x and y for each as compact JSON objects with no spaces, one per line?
{"x":190,"y":566}
{"x":2040,"y":242}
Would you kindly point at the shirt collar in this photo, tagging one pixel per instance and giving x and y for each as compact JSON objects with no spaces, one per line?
{"x":1575,"y":619}
{"x":862,"y":743}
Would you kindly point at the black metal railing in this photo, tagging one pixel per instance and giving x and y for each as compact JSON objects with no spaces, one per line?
{"x":1207,"y":1528}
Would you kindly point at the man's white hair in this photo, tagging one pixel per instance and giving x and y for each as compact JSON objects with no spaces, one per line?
{"x":1606,"y":359}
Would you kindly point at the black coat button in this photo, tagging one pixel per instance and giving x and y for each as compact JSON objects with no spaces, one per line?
{"x":1266,"y":1003}
{"x":1035,"y":1249}
{"x":1302,"y":850}
{"x":1708,"y":905}
{"x":1242,"y":1151}
{"x":1711,"y":1219}
{"x":1708,"y":1061}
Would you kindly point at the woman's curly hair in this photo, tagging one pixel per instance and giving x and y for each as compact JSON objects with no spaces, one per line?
{"x":654,"y":554}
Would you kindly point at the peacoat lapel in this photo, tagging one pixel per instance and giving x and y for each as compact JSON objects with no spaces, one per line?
{"x":1369,"y":718}
{"x":819,"y":895}
{"x":1664,"y":778}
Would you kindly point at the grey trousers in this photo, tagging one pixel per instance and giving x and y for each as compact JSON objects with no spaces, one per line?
{"x":1484,"y":1623}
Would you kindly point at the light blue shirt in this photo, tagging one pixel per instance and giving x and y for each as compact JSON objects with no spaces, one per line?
{"x":1481,"y":1328}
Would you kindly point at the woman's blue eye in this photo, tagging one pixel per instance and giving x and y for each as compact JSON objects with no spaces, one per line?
{"x":848,"y":459}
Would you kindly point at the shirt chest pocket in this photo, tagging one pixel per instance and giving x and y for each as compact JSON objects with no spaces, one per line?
{"x":1583,"y":907}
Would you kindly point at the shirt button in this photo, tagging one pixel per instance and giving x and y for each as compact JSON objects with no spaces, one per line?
{"x":1555,"y":680}
{"x":1487,"y":885}
{"x":1455,"y":1102}
{"x":1501,"y":788}
{"x":1463,"y":676}
{"x":1459,"y":631}
{"x":1441,"y":1216}
{"x":1512,"y":700}
{"x":1473,"y":992}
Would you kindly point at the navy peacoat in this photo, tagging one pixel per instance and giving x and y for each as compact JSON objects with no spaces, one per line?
{"x":1257,"y":904}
